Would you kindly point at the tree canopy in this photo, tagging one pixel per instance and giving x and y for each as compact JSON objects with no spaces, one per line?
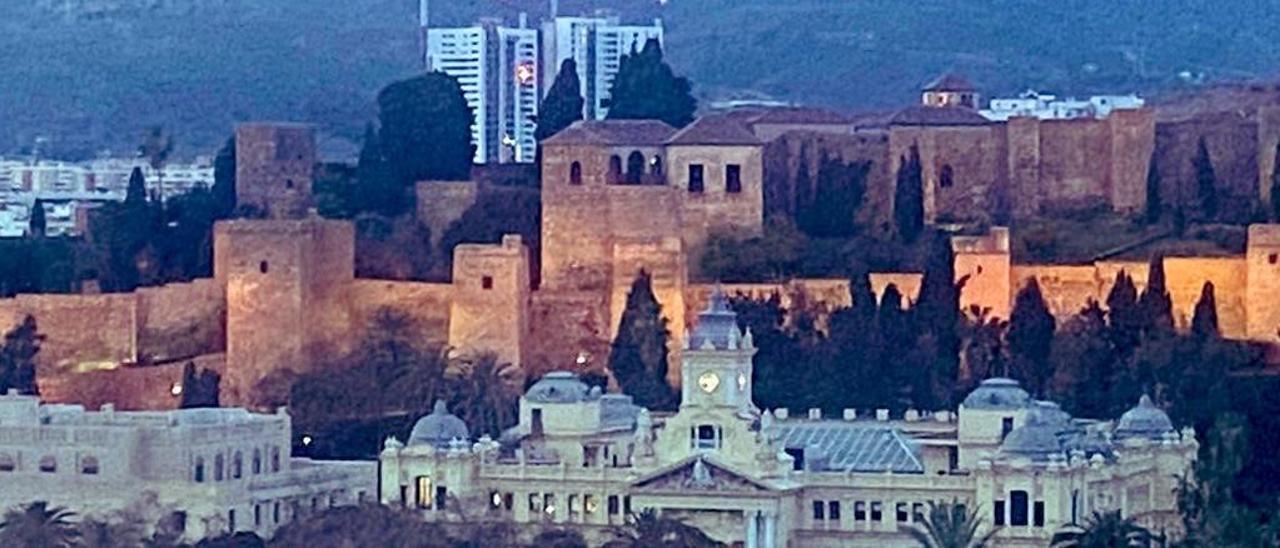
{"x":426,"y":129}
{"x":908,"y":197}
{"x":646,"y":88}
{"x":638,"y":356}
{"x":563,"y":104}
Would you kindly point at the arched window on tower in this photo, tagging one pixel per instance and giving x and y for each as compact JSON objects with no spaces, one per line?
{"x":615,"y":168}
{"x":635,"y":168}
{"x":946,"y":176}
{"x":575,"y":173}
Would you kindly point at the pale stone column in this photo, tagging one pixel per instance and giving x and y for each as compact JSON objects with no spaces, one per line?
{"x":770,"y":539}
{"x":751,"y":517}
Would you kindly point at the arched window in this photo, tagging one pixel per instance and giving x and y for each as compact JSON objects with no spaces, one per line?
{"x":575,"y":173}
{"x":257,"y":461}
{"x":635,"y":168}
{"x":237,"y":466}
{"x":199,"y":470}
{"x":7,"y":463}
{"x":615,"y":168}
{"x":48,"y":464}
{"x":218,"y":466}
{"x":946,"y":176}
{"x":275,"y":459}
{"x":89,"y":466}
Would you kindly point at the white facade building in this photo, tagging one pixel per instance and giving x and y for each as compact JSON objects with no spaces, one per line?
{"x":211,"y":471}
{"x":497,"y":68}
{"x":67,"y":188}
{"x":765,"y":479}
{"x":596,"y":45}
{"x":1050,"y":107}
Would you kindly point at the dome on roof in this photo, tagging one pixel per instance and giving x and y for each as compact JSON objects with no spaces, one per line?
{"x":1052,"y":413}
{"x":439,"y":428}
{"x":559,"y":387}
{"x":1036,"y":439}
{"x":998,"y":393}
{"x":1145,"y":420}
{"x":717,"y":325}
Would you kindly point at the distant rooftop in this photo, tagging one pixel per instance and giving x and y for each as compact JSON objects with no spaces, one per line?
{"x":613,"y":132}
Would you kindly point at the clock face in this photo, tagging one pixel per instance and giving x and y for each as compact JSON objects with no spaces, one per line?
{"x":742,"y":382}
{"x":708,"y":382}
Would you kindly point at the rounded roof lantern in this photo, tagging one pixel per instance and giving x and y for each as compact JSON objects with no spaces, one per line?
{"x":1145,"y":420}
{"x":998,"y":393}
{"x":439,"y":428}
{"x":558,"y":387}
{"x":1036,"y":439}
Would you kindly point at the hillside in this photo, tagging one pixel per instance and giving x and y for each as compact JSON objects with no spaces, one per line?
{"x":197,"y":66}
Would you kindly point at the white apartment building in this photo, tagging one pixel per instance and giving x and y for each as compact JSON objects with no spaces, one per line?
{"x":209,"y":471}
{"x":497,"y":68}
{"x":69,"y":187}
{"x":1050,"y":107}
{"x":596,"y":44}
{"x":768,"y":479}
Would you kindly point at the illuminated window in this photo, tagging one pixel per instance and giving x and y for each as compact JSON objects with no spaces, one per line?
{"x":89,"y":466}
{"x":655,"y":166}
{"x":549,"y":505}
{"x":589,"y":504}
{"x":535,"y":504}
{"x":423,"y":492}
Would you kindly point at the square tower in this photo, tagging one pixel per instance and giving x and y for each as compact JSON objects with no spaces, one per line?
{"x":1262,"y":298}
{"x":286,"y":289}
{"x":490,"y":310}
{"x":275,"y":167}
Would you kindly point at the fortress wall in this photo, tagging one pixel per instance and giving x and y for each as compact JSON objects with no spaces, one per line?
{"x":1075,"y":156}
{"x":181,"y":320}
{"x":1022,"y":164}
{"x":427,"y":303}
{"x":783,"y":157}
{"x":1066,"y":289}
{"x":664,"y":260}
{"x":128,"y":388}
{"x":440,"y":203}
{"x":566,"y":325}
{"x":974,"y":156}
{"x":576,"y":235}
{"x":983,"y":262}
{"x":490,"y":311}
{"x":1233,"y":141}
{"x":908,"y":284}
{"x":1133,"y":135}
{"x":78,"y":329}
{"x":1262,"y":297}
{"x":1186,"y":276}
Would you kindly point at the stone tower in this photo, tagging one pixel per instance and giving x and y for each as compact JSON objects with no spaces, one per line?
{"x":275,"y":166}
{"x":286,"y":288}
{"x":490,"y":310}
{"x":1262,"y":299}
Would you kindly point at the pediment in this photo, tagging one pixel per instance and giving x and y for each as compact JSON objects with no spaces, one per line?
{"x":699,"y":473}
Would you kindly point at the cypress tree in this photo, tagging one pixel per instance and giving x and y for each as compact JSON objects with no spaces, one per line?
{"x":1154,"y":206}
{"x":224,"y":179}
{"x":1031,"y":330}
{"x":426,"y":129}
{"x":803,"y":187}
{"x":646,"y":88}
{"x":1157,"y":308}
{"x":381,"y":192}
{"x":1275,"y":187}
{"x":1125,"y":326}
{"x":638,"y":358}
{"x":893,"y":325}
{"x":38,"y":224}
{"x":18,"y":357}
{"x":937,"y":315}
{"x":563,"y":103}
{"x":908,"y":197}
{"x":1204,"y":325}
{"x":136,"y":193}
{"x":1206,"y":181}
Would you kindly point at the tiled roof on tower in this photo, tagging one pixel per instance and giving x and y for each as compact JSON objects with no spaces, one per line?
{"x":715,"y":130}
{"x":613,"y":132}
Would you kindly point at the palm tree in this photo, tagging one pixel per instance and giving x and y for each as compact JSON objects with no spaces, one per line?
{"x":650,"y":529}
{"x":38,"y":525}
{"x":96,"y":533}
{"x":487,"y":394}
{"x":950,"y":525}
{"x":1103,"y":530}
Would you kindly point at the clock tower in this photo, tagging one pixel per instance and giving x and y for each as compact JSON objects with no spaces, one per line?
{"x":717,"y":361}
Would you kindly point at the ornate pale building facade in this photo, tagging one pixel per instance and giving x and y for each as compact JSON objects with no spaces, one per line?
{"x":200,"y":472}
{"x":765,"y":479}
